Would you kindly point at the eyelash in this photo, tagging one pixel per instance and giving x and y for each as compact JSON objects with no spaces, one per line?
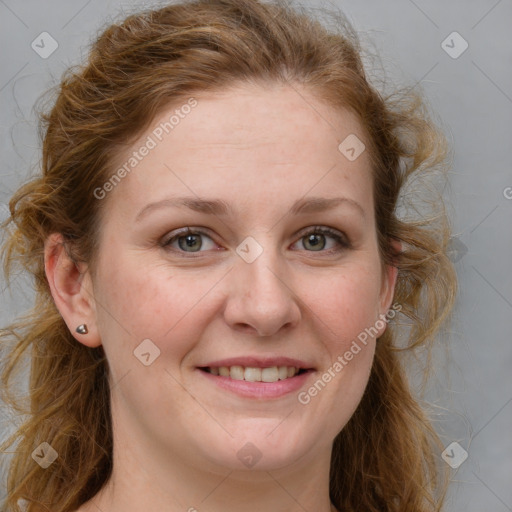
{"x":342,"y":240}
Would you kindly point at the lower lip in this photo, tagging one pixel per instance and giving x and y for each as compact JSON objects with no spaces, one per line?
{"x":259,"y":389}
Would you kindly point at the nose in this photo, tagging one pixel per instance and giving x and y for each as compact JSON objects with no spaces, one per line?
{"x":261,"y":298}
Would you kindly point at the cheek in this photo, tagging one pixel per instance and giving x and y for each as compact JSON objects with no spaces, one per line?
{"x":343,"y":310}
{"x":346,"y":303}
{"x":155,"y":303}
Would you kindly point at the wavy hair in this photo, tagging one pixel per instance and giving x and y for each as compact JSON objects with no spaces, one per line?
{"x":386,"y":459}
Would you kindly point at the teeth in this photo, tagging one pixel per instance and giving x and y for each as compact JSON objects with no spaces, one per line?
{"x":270,"y":374}
{"x":224,"y":371}
{"x":250,"y":374}
{"x":236,"y":372}
{"x":282,"y":372}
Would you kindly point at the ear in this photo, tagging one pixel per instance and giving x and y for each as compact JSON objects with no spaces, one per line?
{"x":389,"y":278}
{"x":72,"y":290}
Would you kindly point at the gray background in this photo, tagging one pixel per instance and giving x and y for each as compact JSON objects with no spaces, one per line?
{"x":471,"y":392}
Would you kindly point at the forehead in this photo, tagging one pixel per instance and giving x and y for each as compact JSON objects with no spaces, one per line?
{"x":243,"y":141}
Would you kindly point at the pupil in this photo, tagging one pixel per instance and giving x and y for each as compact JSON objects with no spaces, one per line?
{"x":191,"y":241}
{"x":316,"y":242}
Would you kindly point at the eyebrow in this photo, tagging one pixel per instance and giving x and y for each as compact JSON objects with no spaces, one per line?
{"x":221,"y":208}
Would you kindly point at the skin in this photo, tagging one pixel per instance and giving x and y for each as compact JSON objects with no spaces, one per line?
{"x":176,"y":435}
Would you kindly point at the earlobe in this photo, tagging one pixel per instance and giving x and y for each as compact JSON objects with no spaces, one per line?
{"x":71,"y":289}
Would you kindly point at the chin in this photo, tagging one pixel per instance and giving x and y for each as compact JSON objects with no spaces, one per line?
{"x":265,"y":446}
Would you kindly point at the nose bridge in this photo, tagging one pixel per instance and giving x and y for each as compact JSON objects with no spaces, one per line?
{"x":261,"y":296}
{"x":265,"y":279}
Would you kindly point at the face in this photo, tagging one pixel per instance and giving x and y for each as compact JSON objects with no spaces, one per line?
{"x":240,"y":246}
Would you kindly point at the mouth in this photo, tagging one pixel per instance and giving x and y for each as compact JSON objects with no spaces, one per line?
{"x":255,"y":374}
{"x":259,"y":379}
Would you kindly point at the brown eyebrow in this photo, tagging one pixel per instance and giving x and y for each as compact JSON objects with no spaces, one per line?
{"x":213,"y":207}
{"x":321,"y":204}
{"x":221,"y":208}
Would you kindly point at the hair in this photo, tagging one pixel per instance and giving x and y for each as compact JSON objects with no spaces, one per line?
{"x":386,"y":458}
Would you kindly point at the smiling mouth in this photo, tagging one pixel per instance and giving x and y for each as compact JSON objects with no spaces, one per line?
{"x":253,"y":374}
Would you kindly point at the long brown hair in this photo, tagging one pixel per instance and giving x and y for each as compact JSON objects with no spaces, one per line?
{"x":386,"y":459}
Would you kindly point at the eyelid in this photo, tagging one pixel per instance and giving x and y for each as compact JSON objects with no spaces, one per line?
{"x":176,"y":233}
{"x":339,"y":236}
{"x":323,"y":230}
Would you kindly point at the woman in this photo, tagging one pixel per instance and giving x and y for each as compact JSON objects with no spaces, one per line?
{"x":220,"y":267}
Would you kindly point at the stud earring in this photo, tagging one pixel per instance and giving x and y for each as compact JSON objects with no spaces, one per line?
{"x":82,"y":329}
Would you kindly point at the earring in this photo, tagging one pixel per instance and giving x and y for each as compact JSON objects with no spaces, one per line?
{"x":82,"y":329}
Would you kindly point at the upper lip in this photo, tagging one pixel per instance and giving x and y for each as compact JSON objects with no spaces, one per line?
{"x":259,"y":362}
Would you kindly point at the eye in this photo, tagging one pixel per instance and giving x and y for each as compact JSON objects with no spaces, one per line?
{"x":317,"y":239}
{"x":188,"y":240}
